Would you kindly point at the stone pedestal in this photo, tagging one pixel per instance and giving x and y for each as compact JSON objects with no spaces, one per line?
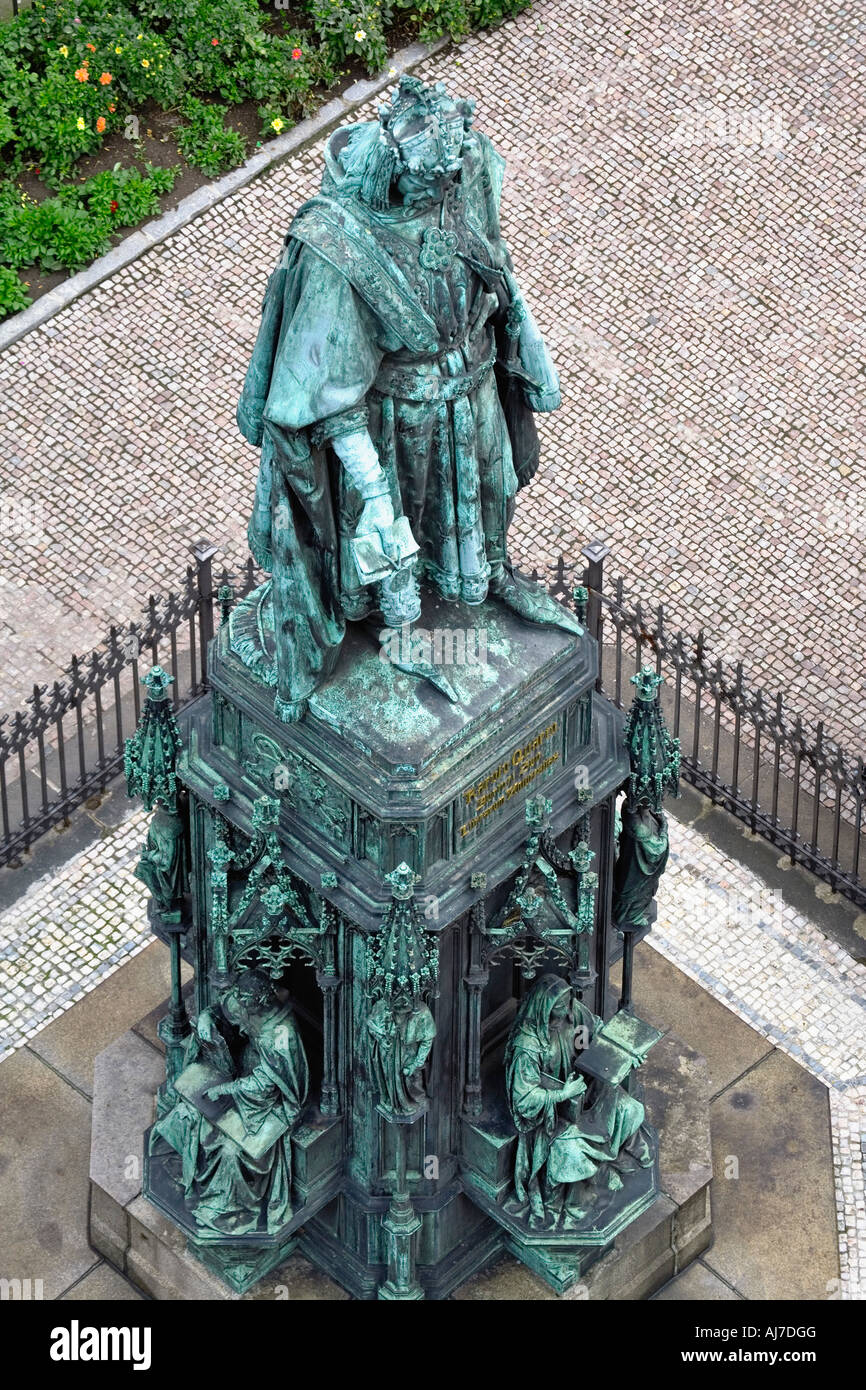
{"x":140,"y":1241}
{"x":481,"y":833}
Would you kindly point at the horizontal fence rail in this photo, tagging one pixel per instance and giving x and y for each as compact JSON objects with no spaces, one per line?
{"x":739,"y":747}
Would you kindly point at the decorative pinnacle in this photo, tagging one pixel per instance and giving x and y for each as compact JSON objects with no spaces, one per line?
{"x":156,"y":683}
{"x":151,"y":753}
{"x":538,"y":808}
{"x":220,"y":855}
{"x":266,"y":813}
{"x":647,"y":683}
{"x":654,"y":757}
{"x":581,"y":857}
{"x":402,"y":882}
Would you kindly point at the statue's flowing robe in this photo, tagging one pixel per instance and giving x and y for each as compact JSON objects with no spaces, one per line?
{"x":641,"y":860}
{"x":399,"y":1048}
{"x":162,"y":865}
{"x":552,"y":1152}
{"x":357,"y":333}
{"x":234,"y":1193}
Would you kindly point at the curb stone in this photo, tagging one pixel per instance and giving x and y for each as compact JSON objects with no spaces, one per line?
{"x":144,"y":238}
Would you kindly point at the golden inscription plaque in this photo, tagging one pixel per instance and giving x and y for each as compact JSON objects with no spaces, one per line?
{"x":527,"y":763}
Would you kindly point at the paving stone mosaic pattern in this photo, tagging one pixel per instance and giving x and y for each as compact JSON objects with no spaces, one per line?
{"x":717,"y":922}
{"x":684,"y":201}
{"x":69,"y":931}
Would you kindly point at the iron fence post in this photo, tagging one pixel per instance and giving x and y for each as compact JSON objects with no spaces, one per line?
{"x":595,"y":553}
{"x":204,"y":552}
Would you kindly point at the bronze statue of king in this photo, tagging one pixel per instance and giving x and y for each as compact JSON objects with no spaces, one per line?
{"x":391,"y":390}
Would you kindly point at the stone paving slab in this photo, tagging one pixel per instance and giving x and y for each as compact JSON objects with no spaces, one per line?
{"x":73,"y":1041}
{"x":773,"y":1197}
{"x":44,"y":1163}
{"x":684,"y":202}
{"x":697,"y":1284}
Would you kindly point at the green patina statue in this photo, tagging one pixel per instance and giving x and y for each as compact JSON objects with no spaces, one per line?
{"x":239,"y":1098}
{"x":400,"y":1025}
{"x":392,"y":390}
{"x":162,"y":866}
{"x":575,"y":1133}
{"x":392,"y":393}
{"x":654,"y":762}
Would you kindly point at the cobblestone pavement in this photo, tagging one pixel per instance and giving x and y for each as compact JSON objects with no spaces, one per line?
{"x":718,"y":923}
{"x":69,"y":931}
{"x":684,"y":202}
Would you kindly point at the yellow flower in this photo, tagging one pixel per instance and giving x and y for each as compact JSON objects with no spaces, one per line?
{"x":139,"y":36}
{"x":64,"y":50}
{"x":277,"y":124}
{"x":118,"y":49}
{"x":80,"y":122}
{"x":145,"y":63}
{"x":360,"y":35}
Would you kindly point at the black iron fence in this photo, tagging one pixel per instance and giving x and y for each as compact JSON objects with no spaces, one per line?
{"x":67,"y":743}
{"x":740,"y":747}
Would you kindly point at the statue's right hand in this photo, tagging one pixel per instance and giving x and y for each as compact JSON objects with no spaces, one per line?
{"x":573,"y":1088}
{"x":377,"y":516}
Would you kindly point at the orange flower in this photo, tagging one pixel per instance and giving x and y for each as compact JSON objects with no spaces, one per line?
{"x":105,"y":78}
{"x":82,"y":74}
{"x":91,"y":46}
{"x":100,"y":124}
{"x":214,"y":42}
{"x":112,"y":107}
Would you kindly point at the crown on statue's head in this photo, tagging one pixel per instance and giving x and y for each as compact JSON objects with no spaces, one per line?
{"x":425,"y":128}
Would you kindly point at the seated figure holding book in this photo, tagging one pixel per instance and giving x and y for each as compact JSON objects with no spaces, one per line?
{"x":240,"y":1096}
{"x":576,"y":1133}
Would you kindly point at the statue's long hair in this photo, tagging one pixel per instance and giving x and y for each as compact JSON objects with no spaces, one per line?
{"x":370,"y":164}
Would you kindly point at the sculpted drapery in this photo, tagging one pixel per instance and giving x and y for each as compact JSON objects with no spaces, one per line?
{"x":558,"y":1152}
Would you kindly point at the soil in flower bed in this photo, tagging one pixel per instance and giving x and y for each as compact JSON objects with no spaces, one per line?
{"x":156,"y":145}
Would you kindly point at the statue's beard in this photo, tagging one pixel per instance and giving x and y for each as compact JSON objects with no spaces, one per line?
{"x":425,"y":188}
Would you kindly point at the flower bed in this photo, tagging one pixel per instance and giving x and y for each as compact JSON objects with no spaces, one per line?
{"x":79,"y":79}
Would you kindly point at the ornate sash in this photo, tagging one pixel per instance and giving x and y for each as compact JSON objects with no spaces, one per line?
{"x":352,"y":249}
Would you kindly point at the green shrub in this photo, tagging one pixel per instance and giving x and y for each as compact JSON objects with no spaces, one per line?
{"x":125,"y":196}
{"x":350,"y":28}
{"x":437,"y":17}
{"x":207,"y":142}
{"x":13,"y":295}
{"x":69,"y":230}
{"x":71,"y":71}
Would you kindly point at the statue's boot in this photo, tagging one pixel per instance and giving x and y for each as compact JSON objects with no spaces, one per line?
{"x":396,"y":644}
{"x":531,"y":601}
{"x":427,"y":671}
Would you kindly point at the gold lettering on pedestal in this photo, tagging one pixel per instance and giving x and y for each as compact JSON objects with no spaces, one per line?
{"x":513,"y":775}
